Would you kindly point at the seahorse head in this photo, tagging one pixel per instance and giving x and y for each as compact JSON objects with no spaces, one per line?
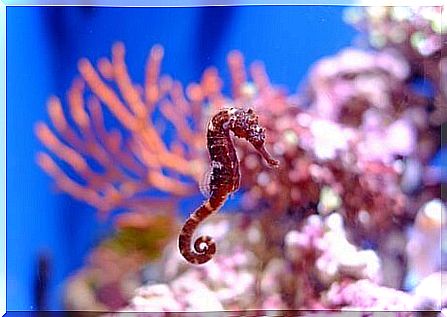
{"x":245,"y":124}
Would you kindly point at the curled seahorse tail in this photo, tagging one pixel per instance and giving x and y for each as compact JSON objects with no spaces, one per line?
{"x":204,"y":246}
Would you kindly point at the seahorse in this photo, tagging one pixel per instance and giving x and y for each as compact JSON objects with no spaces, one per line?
{"x":225,"y":174}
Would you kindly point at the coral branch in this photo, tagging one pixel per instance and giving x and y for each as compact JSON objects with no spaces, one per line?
{"x":114,"y":167}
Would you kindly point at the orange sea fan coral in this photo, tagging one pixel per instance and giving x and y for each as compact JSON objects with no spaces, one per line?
{"x":115,"y":168}
{"x":131,"y":163}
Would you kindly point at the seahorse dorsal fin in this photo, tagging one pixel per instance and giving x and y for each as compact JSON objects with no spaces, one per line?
{"x":204,"y":184}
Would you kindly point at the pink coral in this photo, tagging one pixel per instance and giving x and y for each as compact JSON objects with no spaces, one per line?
{"x":367,"y":295}
{"x":325,"y":230}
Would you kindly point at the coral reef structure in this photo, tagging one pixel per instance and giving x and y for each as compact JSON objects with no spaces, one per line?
{"x":351,"y":219}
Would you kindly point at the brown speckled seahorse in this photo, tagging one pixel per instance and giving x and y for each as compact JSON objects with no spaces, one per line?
{"x":225,"y":174}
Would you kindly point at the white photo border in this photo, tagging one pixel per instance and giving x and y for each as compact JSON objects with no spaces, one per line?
{"x":128,"y":3}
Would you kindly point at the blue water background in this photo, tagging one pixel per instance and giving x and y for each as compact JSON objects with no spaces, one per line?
{"x":43,"y":47}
